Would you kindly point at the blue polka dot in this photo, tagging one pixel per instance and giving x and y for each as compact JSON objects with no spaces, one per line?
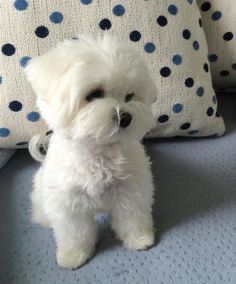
{"x":177,"y":108}
{"x":8,"y":49}
{"x":105,"y":24}
{"x":186,"y":34}
{"x":196,"y":45}
{"x":149,"y":47}
{"x":190,"y":2}
{"x":172,"y":9}
{"x":214,"y":99}
{"x":56,"y":17}
{"x":24,"y":60}
{"x":42,"y":32}
{"x":216,"y":15}
{"x":4,"y":132}
{"x":200,"y":92}
{"x":86,"y":2}
{"x":20,"y":5}
{"x":0,"y":80}
{"x":177,"y":59}
{"x":15,"y":106}
{"x":212,"y":57}
{"x":210,"y":111}
{"x":192,"y":132}
{"x":119,"y":10}
{"x":33,"y":116}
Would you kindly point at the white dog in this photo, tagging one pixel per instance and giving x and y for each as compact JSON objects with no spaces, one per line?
{"x":96,"y":95}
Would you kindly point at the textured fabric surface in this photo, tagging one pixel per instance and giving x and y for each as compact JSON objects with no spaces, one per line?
{"x":5,"y":155}
{"x":194,"y":213}
{"x":168,"y":35}
{"x":219,"y":23}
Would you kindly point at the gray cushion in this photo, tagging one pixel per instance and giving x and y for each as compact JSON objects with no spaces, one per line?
{"x":194,"y":213}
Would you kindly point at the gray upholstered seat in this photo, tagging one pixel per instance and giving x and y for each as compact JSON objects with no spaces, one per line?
{"x":195,"y":216}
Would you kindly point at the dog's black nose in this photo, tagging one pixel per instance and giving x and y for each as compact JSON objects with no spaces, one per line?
{"x":125,"y":119}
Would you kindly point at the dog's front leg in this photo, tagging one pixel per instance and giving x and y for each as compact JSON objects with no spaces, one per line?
{"x":132,"y":218}
{"x":75,"y":236}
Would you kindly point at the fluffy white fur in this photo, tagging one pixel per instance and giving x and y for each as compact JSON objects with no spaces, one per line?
{"x":92,"y":162}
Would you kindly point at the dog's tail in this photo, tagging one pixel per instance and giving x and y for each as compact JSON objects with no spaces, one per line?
{"x":38,"y":147}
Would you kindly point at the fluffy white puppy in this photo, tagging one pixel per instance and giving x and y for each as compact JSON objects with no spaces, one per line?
{"x":96,"y":95}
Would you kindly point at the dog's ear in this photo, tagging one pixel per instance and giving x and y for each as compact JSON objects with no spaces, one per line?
{"x":53,"y":78}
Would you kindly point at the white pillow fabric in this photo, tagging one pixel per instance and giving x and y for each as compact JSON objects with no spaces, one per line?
{"x":168,"y":34}
{"x":219,"y":23}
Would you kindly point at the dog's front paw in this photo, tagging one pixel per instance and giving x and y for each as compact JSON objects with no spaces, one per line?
{"x":73,"y":258}
{"x":139,"y":242}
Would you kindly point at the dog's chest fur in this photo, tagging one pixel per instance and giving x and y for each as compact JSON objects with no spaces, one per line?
{"x":93,"y":169}
{"x":103,"y":167}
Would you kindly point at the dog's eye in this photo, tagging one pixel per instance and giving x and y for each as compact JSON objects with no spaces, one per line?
{"x":129,"y":97}
{"x":95,"y":94}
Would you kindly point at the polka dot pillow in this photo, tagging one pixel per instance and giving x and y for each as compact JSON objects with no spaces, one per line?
{"x":167,"y":33}
{"x":219,"y":22}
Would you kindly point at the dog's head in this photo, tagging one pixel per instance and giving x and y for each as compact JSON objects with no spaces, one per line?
{"x":98,"y":90}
